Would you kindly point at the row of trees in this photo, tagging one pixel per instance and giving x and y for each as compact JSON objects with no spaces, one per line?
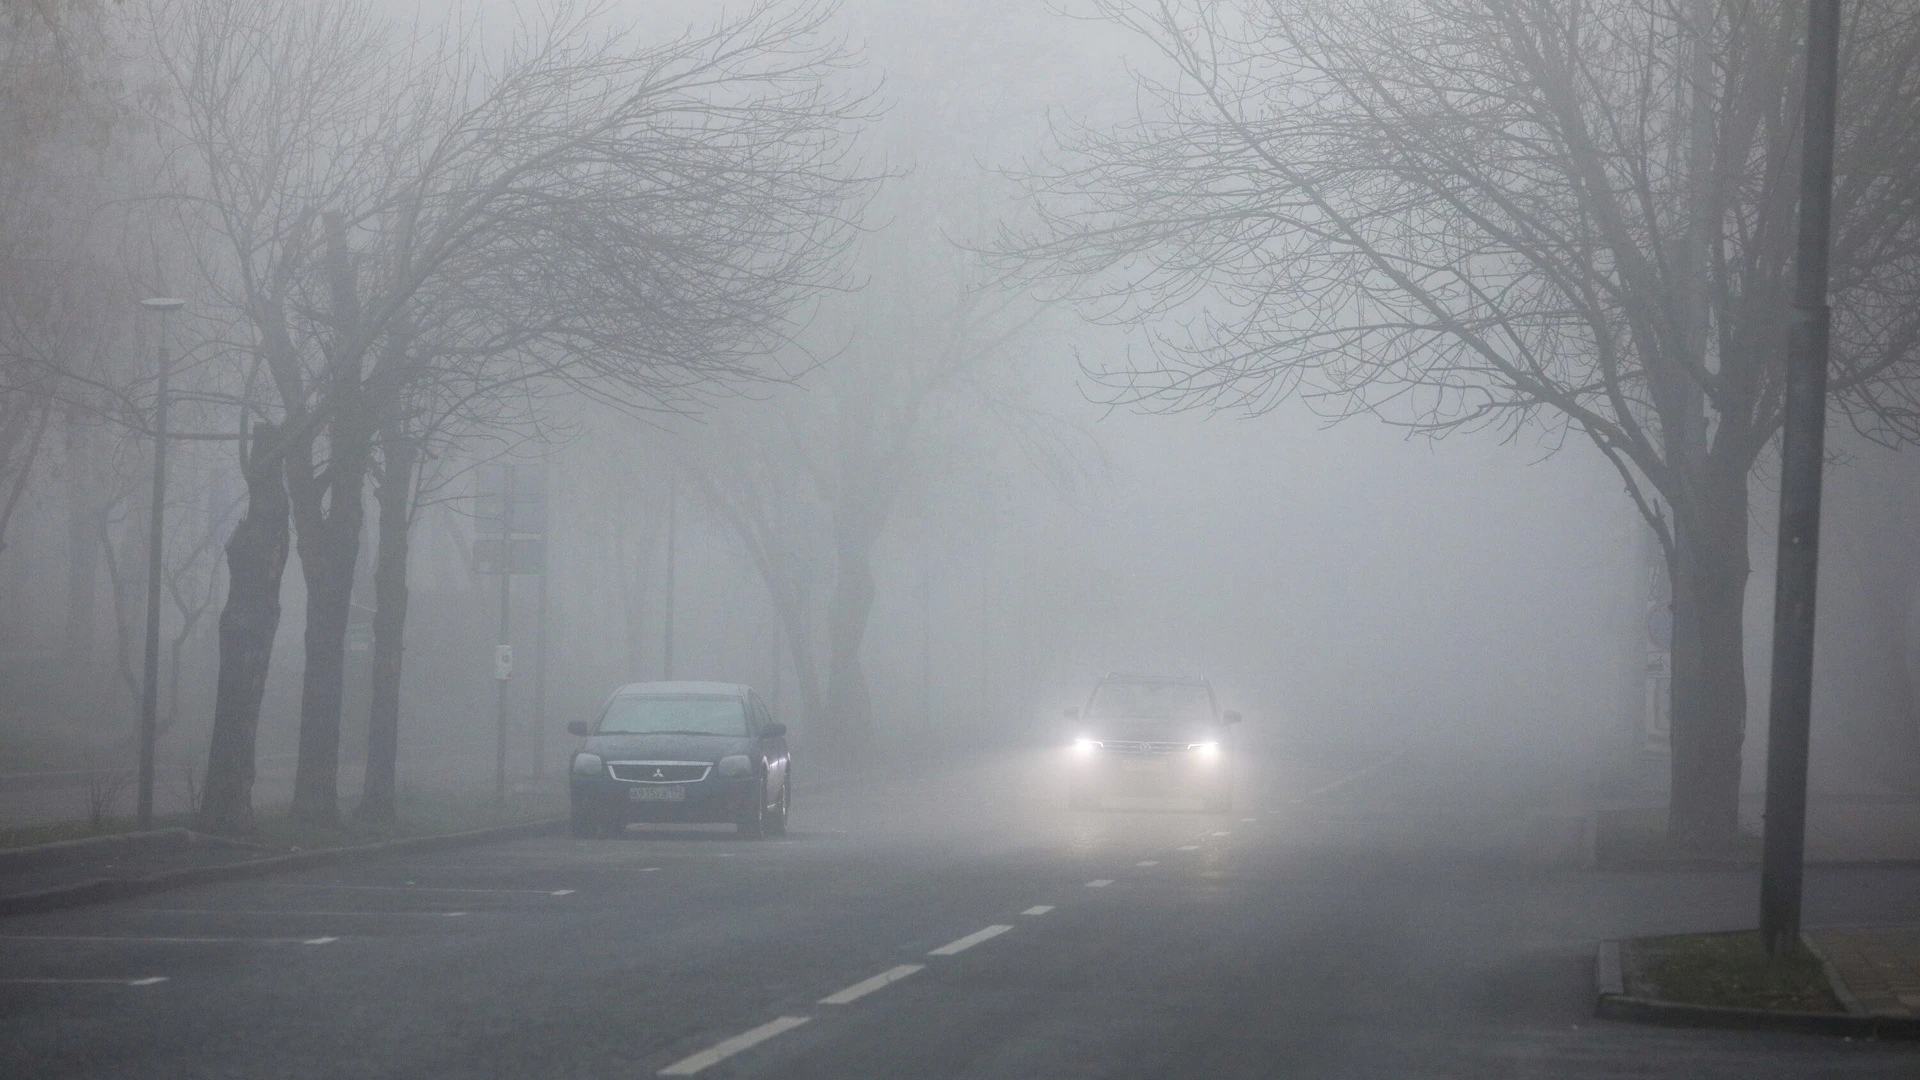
{"x":1496,"y":214}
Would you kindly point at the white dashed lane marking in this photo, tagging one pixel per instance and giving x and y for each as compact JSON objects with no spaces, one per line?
{"x":406,"y":888}
{"x":960,"y":945}
{"x":1099,"y":883}
{"x":1222,"y":832}
{"x":136,"y":940}
{"x":1038,"y":909}
{"x":1188,"y":847}
{"x":1148,"y":862}
{"x":148,"y":981}
{"x":867,"y":986}
{"x":726,"y":1048}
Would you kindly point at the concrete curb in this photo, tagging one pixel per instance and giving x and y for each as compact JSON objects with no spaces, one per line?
{"x":104,"y":890}
{"x":1612,"y":1002}
{"x":56,"y":852}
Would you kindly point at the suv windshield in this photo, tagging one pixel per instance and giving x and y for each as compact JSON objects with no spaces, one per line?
{"x":674,"y":715}
{"x":1157,"y":700}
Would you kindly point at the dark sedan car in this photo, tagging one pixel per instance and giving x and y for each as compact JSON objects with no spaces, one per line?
{"x":1148,"y":735}
{"x":682,"y":752}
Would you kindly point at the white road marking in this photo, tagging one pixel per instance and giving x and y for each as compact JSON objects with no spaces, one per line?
{"x":1148,"y":862}
{"x":148,"y":981}
{"x":1223,"y":832}
{"x":402,"y":888}
{"x":1099,"y":883}
{"x":167,"y":940}
{"x":644,"y":869}
{"x":726,"y":1048}
{"x":1246,"y":819}
{"x":960,"y":945}
{"x":867,"y":986}
{"x":1188,"y":847}
{"x":561,"y":892}
{"x":1351,"y":777}
{"x":320,"y":941}
{"x":1038,"y":909}
{"x":290,"y":911}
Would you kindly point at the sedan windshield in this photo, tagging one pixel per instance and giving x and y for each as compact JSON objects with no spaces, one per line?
{"x":1157,"y":700}
{"x":674,"y":716}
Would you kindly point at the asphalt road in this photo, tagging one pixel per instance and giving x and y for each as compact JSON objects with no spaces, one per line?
{"x":1339,"y":923}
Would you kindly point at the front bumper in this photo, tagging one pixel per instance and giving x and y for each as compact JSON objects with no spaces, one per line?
{"x":601,"y":798}
{"x":1121,"y":774}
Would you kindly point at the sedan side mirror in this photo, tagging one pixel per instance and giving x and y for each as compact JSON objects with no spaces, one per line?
{"x":1230,"y":717}
{"x":579,"y":727}
{"x":774,"y":731}
{"x":1071,"y":713}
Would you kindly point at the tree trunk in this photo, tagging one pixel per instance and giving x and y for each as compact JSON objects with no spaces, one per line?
{"x":1709,"y":672}
{"x":256,"y":561}
{"x":389,"y":628}
{"x":849,"y":707}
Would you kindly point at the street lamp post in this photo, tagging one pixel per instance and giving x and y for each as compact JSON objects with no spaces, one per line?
{"x":150,"y":676}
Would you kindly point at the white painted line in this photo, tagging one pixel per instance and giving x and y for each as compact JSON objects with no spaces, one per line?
{"x":454,"y":914}
{"x":726,"y":1048}
{"x":1038,"y":909}
{"x":329,"y":912}
{"x":320,"y":941}
{"x":561,"y":892}
{"x":1223,"y":832}
{"x":1246,"y":819}
{"x":1351,"y":777}
{"x":645,"y":869}
{"x":400,"y":888}
{"x":165,"y":940}
{"x":1099,"y":883}
{"x":148,"y":981}
{"x":960,"y":945}
{"x":1148,"y":862}
{"x":867,"y":986}
{"x":1188,"y":847}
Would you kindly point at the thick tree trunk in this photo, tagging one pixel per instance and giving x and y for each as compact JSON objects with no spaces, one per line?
{"x":256,"y":561}
{"x":1709,"y":673}
{"x":389,"y":628}
{"x":849,"y":707}
{"x":329,"y":547}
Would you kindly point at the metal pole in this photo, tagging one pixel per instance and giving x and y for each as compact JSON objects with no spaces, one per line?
{"x":1802,"y":456}
{"x":673,"y":532}
{"x":150,"y":675}
{"x":506,"y":597}
{"x":540,"y":673}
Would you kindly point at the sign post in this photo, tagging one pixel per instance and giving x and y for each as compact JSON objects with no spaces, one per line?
{"x":510,"y":527}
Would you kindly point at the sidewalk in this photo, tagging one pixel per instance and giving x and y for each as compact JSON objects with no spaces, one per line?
{"x":1878,"y":969}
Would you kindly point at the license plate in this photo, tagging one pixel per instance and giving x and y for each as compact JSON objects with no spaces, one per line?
{"x":657,"y":794}
{"x":1143,"y":766}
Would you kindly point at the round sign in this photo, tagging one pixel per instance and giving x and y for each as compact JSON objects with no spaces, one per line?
{"x":1660,"y":627}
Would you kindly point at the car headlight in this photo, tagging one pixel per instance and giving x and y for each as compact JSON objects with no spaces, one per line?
{"x":587,"y":764}
{"x":1208,"y":751}
{"x":1084,"y":746}
{"x":734,"y":765}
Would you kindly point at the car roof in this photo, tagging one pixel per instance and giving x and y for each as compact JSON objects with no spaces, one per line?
{"x":683,"y":689}
{"x":1193,"y":680}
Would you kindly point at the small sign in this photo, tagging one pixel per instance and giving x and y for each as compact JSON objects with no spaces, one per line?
{"x":503,"y":662}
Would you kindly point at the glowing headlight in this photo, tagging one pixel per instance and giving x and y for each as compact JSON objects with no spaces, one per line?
{"x":587,"y":764}
{"x":734,"y":765}
{"x":1084,"y":746}
{"x":1208,"y":751}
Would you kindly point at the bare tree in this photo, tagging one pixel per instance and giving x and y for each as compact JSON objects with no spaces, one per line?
{"x":1480,"y":216}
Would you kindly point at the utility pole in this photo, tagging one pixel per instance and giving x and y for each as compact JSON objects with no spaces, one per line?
{"x":926,"y":644}
{"x":540,"y":674}
{"x":503,"y":656}
{"x":1802,"y":456}
{"x":150,"y":673}
{"x":673,"y":534}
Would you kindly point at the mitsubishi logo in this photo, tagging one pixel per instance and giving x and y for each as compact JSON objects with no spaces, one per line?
{"x":658,"y":775}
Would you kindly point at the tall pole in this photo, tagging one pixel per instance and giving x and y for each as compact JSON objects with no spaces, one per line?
{"x":150,"y":674}
{"x":1802,"y":455}
{"x":540,"y":673}
{"x":673,"y":535}
{"x":501,"y":676}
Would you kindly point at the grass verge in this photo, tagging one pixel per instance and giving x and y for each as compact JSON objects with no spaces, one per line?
{"x":1730,"y":969}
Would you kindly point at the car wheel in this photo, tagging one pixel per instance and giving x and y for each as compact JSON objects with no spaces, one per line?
{"x":777,"y":823}
{"x":753,"y":825}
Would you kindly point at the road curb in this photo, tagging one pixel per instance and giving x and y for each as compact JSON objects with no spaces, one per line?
{"x":104,"y":890}
{"x":1612,"y":1002}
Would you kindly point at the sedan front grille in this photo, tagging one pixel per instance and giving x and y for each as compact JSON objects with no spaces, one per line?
{"x":1127,"y":747}
{"x":659,"y":772}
